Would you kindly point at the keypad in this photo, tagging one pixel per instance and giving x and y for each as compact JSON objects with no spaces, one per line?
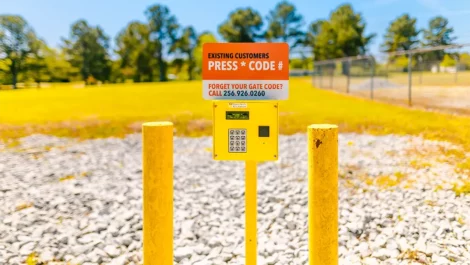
{"x":237,"y":140}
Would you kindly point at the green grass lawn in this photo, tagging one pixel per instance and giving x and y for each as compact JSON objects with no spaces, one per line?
{"x":115,"y":110}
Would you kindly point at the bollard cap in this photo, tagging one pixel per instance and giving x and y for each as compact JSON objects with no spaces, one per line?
{"x":157,"y":124}
{"x":323,"y":126}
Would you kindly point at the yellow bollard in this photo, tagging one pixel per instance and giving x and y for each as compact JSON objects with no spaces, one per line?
{"x":251,"y":209}
{"x":323,"y":194}
{"x":157,"y":193}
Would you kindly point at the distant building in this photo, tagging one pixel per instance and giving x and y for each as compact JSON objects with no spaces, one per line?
{"x":447,"y":69}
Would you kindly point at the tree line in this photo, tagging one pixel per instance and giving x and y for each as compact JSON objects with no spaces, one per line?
{"x":159,"y":47}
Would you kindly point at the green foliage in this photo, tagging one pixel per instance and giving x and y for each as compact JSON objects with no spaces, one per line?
{"x":301,"y":63}
{"x":465,"y":60}
{"x":36,"y":63}
{"x":343,"y":34}
{"x":163,"y":33}
{"x":284,"y":24}
{"x":135,"y":53}
{"x":350,"y":28}
{"x":58,"y":68}
{"x":205,"y":37}
{"x":117,"y":74}
{"x":402,"y":62}
{"x":312,"y":33}
{"x":448,"y":61}
{"x":242,"y":25}
{"x":438,"y":33}
{"x":186,"y":45}
{"x":142,"y":47}
{"x":401,"y":34}
{"x":87,"y":49}
{"x":16,"y":41}
{"x":3,"y":71}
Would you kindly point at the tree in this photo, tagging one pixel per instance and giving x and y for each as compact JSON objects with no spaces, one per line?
{"x":16,"y":37}
{"x":312,"y":33}
{"x":205,"y":37}
{"x":284,"y":24}
{"x":465,"y":60}
{"x":438,"y":33}
{"x":135,"y":52}
{"x":3,"y":72}
{"x":87,"y":49}
{"x":448,"y":61}
{"x":309,"y":40}
{"x":350,"y":28}
{"x":163,"y":31}
{"x":58,"y":68}
{"x":326,"y":42}
{"x":343,"y":34}
{"x":401,"y":34}
{"x":242,"y":25}
{"x":36,"y":64}
{"x":401,"y":63}
{"x":186,"y":44}
{"x":177,"y":66}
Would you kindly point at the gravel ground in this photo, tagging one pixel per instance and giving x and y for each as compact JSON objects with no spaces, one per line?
{"x":81,"y":202}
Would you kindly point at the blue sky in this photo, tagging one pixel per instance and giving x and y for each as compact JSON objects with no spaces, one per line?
{"x":52,"y":18}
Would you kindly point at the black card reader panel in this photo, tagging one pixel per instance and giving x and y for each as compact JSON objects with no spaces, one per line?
{"x":263,"y":131}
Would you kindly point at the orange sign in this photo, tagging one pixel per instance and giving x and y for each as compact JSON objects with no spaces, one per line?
{"x":251,"y":71}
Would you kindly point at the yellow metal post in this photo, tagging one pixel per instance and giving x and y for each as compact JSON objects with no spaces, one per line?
{"x":323,"y":194}
{"x":250,"y":213}
{"x":158,"y":193}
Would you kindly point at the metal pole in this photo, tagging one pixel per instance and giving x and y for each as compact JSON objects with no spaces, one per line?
{"x":409,"y":78}
{"x":157,"y":193}
{"x":321,"y":77}
{"x":456,"y":69}
{"x":420,"y":70}
{"x":250,"y":212}
{"x":332,"y":72}
{"x":323,"y":194}
{"x":314,"y":81}
{"x":348,"y":76}
{"x":372,"y":73}
{"x":386,"y":70}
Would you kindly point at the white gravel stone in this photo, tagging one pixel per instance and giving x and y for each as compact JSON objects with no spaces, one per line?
{"x":95,"y":217}
{"x":112,"y":251}
{"x":182,"y":253}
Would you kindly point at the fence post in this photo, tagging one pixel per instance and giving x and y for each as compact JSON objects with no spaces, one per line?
{"x":386,"y":70}
{"x":314,"y":80}
{"x":321,"y":77}
{"x":420,"y":59}
{"x":409,"y":77}
{"x":372,"y":73}
{"x":323,"y":194}
{"x":348,"y":76}
{"x":157,"y":149}
{"x":332,"y":73}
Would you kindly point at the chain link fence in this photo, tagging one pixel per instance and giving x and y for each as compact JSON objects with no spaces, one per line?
{"x":436,"y":77}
